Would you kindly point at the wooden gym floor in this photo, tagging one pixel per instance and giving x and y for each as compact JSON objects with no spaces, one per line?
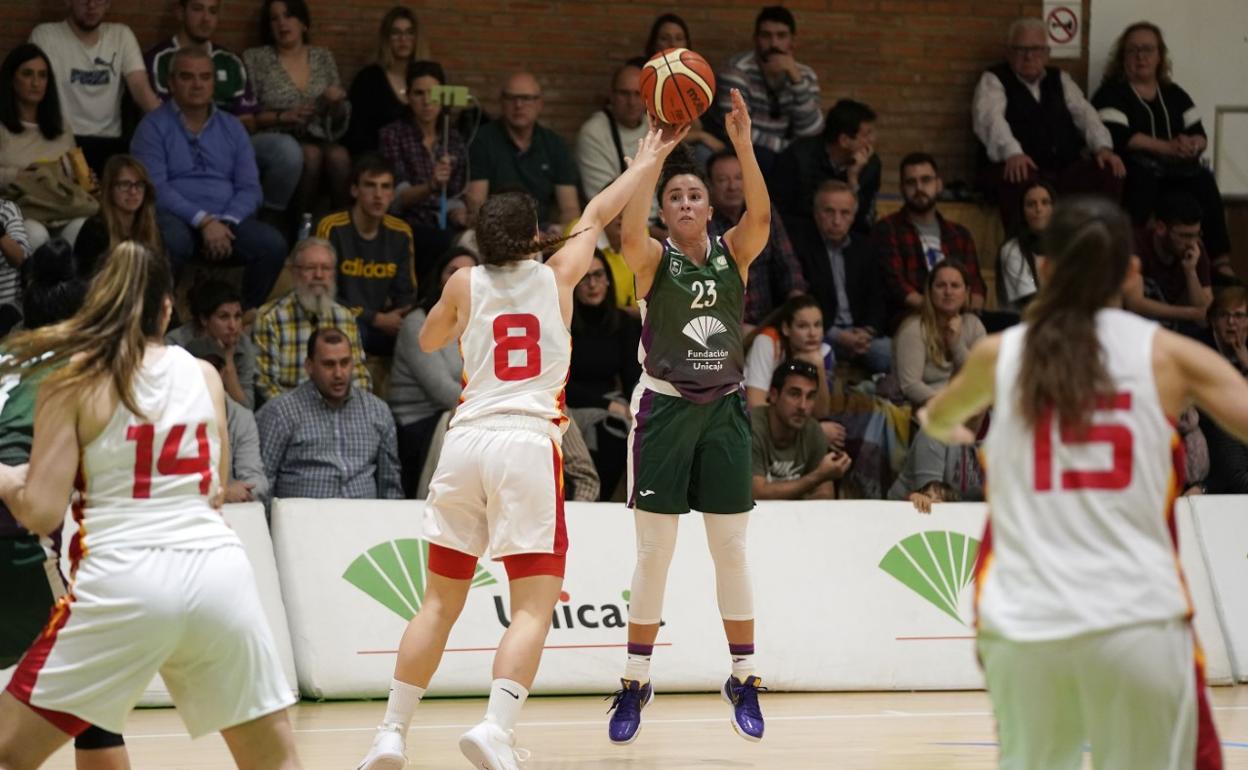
{"x":846,"y":731}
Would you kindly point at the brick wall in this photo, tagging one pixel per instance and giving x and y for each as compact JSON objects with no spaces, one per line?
{"x":914,"y":61}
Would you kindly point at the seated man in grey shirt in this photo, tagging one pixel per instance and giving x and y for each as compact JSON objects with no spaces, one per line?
{"x":325,"y":438}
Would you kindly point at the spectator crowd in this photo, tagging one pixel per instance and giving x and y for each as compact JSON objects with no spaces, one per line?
{"x":312,"y":225}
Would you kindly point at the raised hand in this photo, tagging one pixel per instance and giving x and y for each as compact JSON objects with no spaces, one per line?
{"x":737,"y":122}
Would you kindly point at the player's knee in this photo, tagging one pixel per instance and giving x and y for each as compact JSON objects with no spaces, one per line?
{"x":451,"y":564}
{"x":525,"y":565}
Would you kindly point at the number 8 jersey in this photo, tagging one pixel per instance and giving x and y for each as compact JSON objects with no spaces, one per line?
{"x":1081,"y":533}
{"x":146,"y":482}
{"x":516,"y":346}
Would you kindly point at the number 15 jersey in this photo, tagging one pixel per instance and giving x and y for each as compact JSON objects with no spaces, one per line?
{"x":146,"y":481}
{"x":516,"y":346}
{"x":1081,"y":533}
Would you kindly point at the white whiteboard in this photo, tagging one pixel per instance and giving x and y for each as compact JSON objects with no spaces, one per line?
{"x":1230,"y":152}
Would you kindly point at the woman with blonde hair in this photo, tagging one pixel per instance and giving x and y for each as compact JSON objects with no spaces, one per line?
{"x":932,"y":345}
{"x":127,"y":213}
{"x":159,"y":581}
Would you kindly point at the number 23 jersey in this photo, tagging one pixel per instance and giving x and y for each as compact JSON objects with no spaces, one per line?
{"x":516,"y":346}
{"x":1081,"y":533}
{"x":146,"y":481}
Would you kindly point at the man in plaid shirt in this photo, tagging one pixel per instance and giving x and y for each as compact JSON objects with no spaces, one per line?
{"x":326,"y":438}
{"x":776,"y":274}
{"x":916,"y":237}
{"x":284,"y":325}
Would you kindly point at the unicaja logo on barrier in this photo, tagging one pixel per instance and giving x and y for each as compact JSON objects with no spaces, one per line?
{"x":393,"y":573}
{"x":935,"y":565}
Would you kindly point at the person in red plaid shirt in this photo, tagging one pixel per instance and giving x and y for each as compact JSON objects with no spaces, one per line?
{"x":916,"y":237}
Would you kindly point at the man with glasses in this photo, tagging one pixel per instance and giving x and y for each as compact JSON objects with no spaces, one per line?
{"x":517,"y":154}
{"x":284,"y":326}
{"x":916,"y":237}
{"x":612,"y":133}
{"x":1033,"y":121}
{"x":1174,"y":267}
{"x":91,"y":59}
{"x":203,"y":170}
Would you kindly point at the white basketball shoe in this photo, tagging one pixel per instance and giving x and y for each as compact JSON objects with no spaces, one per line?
{"x":488,"y":747}
{"x":387,"y":752}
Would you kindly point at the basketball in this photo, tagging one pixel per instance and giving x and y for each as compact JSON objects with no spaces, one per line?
{"x":678,"y":85}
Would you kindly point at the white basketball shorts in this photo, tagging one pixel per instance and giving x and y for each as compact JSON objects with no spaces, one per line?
{"x":498,"y":489}
{"x":192,"y":615}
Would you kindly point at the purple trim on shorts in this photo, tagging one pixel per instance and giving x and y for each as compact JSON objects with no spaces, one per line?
{"x":740,"y":649}
{"x":645,"y":406}
{"x":640,"y":649}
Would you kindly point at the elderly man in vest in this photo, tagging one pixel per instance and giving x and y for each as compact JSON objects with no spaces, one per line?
{"x":1034,"y":122}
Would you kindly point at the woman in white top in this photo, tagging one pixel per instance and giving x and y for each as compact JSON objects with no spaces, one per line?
{"x":1083,"y":614}
{"x":1016,"y":263}
{"x":159,"y":582}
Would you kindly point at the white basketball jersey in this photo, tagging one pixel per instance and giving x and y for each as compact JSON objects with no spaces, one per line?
{"x":145,"y":482}
{"x":516,"y":346}
{"x":1081,"y":533}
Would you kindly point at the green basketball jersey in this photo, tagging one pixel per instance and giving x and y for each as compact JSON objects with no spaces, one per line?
{"x":17,"y":429}
{"x":691,"y":324}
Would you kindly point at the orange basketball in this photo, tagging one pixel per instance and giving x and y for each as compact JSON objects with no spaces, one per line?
{"x":678,"y":85}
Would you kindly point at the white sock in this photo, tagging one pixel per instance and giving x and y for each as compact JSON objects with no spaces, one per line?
{"x":742,"y":666}
{"x":402,"y":703}
{"x":637,"y":668}
{"x":506,"y":700}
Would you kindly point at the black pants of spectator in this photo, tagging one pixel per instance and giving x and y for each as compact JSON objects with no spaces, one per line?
{"x":1083,"y":177}
{"x":98,"y":149}
{"x":414,"y":441}
{"x":258,"y":247}
{"x":1146,"y":187}
{"x":609,"y":461}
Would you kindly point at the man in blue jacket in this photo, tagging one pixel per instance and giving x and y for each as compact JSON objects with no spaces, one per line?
{"x":207,"y":187}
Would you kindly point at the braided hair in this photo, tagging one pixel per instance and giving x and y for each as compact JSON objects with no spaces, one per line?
{"x":507,"y":229}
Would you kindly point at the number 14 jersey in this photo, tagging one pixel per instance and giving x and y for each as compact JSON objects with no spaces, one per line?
{"x":516,"y":346}
{"x":1081,"y":534}
{"x":146,"y":481}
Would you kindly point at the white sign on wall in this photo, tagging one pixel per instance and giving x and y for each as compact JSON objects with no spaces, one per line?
{"x":1064,"y":21}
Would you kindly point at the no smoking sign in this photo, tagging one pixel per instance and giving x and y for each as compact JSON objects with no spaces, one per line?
{"x":1065,"y":27}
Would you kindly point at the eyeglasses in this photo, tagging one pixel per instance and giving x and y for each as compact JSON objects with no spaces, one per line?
{"x":595,"y":276}
{"x":1140,"y":50}
{"x":1029,"y":50}
{"x":312,"y":269}
{"x":126,"y":185}
{"x":1241,"y":316}
{"x":522,"y":98}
